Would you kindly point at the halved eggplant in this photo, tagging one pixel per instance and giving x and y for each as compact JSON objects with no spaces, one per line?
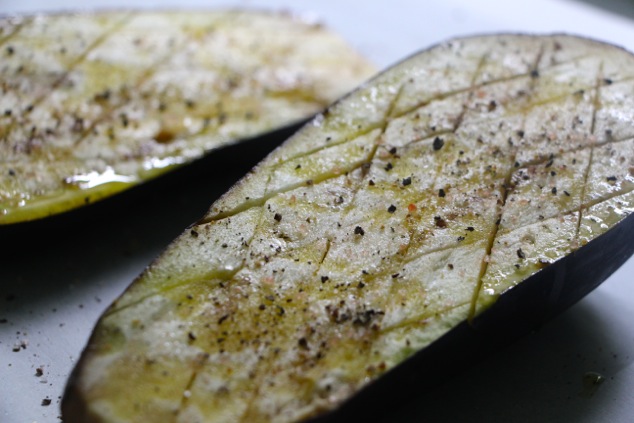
{"x":453,"y":203}
{"x":93,"y":104}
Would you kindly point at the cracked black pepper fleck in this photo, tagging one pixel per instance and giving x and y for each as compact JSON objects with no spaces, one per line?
{"x":438,"y":143}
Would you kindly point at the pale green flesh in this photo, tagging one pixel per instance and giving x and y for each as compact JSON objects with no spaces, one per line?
{"x":93,"y":104}
{"x":363,"y":239}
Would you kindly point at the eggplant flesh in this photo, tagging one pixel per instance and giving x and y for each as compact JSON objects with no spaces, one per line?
{"x":95,"y":103}
{"x":479,"y":186}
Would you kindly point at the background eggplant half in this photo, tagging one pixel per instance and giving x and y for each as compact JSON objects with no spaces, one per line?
{"x":453,"y":203}
{"x":95,"y":103}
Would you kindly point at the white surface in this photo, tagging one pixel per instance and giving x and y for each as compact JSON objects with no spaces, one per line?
{"x":52,"y":293}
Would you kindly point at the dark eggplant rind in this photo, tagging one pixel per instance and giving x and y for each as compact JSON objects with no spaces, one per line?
{"x":452,"y":204}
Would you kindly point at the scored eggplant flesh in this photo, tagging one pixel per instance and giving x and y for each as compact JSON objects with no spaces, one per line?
{"x":405,"y":210}
{"x":93,"y":104}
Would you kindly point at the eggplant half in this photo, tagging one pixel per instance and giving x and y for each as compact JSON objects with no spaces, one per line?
{"x":93,"y":104}
{"x":456,"y":201}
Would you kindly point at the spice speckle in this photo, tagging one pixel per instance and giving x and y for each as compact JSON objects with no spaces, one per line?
{"x":438,"y":143}
{"x":440,"y":222}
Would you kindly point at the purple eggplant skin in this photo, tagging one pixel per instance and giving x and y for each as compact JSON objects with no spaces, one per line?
{"x":518,"y":312}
